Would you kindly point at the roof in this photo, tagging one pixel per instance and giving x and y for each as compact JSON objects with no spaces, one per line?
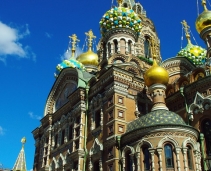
{"x":154,"y":118}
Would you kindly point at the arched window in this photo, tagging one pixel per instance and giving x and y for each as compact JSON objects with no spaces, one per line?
{"x":168,"y":156}
{"x":129,"y":46}
{"x":128,"y":162}
{"x":122,"y":46}
{"x":147,"y":48}
{"x":115,"y":46}
{"x":146,"y":157}
{"x":206,"y":128}
{"x":56,"y":141}
{"x":189,"y":157}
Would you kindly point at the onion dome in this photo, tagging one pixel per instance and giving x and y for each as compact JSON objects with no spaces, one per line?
{"x":72,"y":62}
{"x":89,"y":57}
{"x":204,"y":19}
{"x":156,"y":75}
{"x":193,"y":52}
{"x":120,"y":17}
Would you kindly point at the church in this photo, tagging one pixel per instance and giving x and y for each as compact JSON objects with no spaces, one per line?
{"x":125,"y":109}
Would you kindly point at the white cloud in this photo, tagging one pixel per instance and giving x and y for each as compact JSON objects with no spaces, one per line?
{"x":68,"y":53}
{"x":48,"y":35}
{"x":31,"y":114}
{"x":2,"y":131}
{"x":10,"y":42}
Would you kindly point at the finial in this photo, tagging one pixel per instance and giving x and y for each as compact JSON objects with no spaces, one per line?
{"x":186,"y":28}
{"x":204,"y":5}
{"x":74,"y":41}
{"x":23,"y":141}
{"x":91,"y":36}
{"x":120,"y":2}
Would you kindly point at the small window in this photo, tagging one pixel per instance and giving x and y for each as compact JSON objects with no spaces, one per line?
{"x":169,"y":156}
{"x":97,"y":119}
{"x":115,"y":46}
{"x":63,"y":136}
{"x":110,"y":152}
{"x":56,"y":141}
{"x":120,"y":114}
{"x":96,"y":166}
{"x":110,"y":130}
{"x":110,"y":115}
{"x":120,"y":100}
{"x":110,"y":167}
{"x":121,"y":128}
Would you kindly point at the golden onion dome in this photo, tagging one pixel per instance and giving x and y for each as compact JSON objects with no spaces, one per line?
{"x":155,"y":75}
{"x":204,"y":19}
{"x":88,"y":58}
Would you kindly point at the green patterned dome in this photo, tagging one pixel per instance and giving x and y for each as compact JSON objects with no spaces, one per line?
{"x":120,"y":17}
{"x":155,"y":118}
{"x":195,"y":53}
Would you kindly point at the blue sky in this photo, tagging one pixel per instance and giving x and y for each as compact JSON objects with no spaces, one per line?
{"x":33,"y":39}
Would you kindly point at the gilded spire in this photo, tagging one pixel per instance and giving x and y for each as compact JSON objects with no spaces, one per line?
{"x":204,"y":4}
{"x":186,"y":28}
{"x":20,"y":164}
{"x":91,"y":36}
{"x":74,"y":41}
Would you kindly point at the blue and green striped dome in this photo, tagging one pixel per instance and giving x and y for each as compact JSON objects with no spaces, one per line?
{"x":70,"y":63}
{"x":120,"y":17}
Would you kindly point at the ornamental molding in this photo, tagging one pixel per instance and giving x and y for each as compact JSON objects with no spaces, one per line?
{"x":96,"y":148}
{"x":167,"y":139}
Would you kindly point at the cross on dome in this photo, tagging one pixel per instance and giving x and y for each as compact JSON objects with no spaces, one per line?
{"x":186,"y":28}
{"x":204,"y":2}
{"x":91,"y":36}
{"x":74,"y":41}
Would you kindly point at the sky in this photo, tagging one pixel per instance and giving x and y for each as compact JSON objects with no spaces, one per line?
{"x":33,"y":40}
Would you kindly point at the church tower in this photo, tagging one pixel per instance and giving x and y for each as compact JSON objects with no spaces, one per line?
{"x":20,"y":164}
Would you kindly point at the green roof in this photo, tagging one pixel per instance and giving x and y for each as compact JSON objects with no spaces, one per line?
{"x":155,"y":118}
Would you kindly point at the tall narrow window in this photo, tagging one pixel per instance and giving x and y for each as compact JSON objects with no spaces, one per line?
{"x":122,"y":46}
{"x":146,"y":157}
{"x":147,"y":49}
{"x":129,"y":47}
{"x":70,"y":132}
{"x":97,"y":119}
{"x":63,"y":136}
{"x":169,"y":156}
{"x":206,"y":128}
{"x":109,"y":49}
{"x":189,"y":157}
{"x":128,"y":161}
{"x":56,"y":141}
{"x":115,"y":46}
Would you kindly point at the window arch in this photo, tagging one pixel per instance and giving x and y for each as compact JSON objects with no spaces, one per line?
{"x":169,"y":156}
{"x":206,"y":129}
{"x":189,"y":157}
{"x":147,"y":48}
{"x":146,"y":158}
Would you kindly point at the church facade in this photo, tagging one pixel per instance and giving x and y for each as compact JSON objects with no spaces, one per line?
{"x":124,"y":109}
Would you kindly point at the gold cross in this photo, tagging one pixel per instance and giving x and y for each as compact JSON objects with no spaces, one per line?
{"x":186,"y":28}
{"x":91,"y":36}
{"x":74,"y":41}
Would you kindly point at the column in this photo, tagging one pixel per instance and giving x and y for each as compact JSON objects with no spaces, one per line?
{"x":185,"y":158}
{"x":159,"y":150}
{"x":132,"y":159}
{"x":100,"y":162}
{"x":138,"y":161}
{"x":152,"y":152}
{"x":178,"y":160}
